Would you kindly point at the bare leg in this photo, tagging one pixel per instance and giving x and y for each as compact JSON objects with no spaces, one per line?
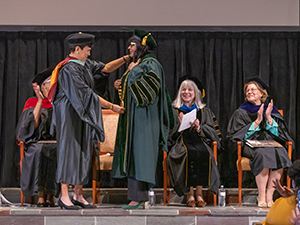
{"x":65,"y":194}
{"x":41,"y":197}
{"x":190,"y":194}
{"x":261,"y":182}
{"x":199,"y":195}
{"x":270,"y":188}
{"x":190,"y":198}
{"x":78,"y":194}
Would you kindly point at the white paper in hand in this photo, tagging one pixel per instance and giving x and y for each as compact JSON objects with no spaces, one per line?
{"x":187,"y":119}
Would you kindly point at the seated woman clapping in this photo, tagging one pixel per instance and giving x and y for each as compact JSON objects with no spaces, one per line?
{"x":190,"y":160}
{"x":253,"y":121}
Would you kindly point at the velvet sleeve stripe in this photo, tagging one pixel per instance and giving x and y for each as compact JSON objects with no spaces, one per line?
{"x":145,"y":92}
{"x":137,"y":95}
{"x":217,"y":128}
{"x":153,"y":76}
{"x":152,"y":83}
{"x":146,"y":89}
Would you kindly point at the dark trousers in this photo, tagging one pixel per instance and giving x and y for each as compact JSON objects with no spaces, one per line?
{"x":137,"y":190}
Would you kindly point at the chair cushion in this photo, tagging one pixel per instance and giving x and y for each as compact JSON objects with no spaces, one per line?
{"x":106,"y":162}
{"x":110,"y":123}
{"x":245,"y":164}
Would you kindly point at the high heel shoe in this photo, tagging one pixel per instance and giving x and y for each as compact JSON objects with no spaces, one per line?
{"x":68,"y":207}
{"x":136,"y":206}
{"x":49,"y":204}
{"x":269,"y":204}
{"x":261,"y":204}
{"x":85,"y":206}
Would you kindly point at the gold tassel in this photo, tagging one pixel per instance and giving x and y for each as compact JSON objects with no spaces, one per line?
{"x":145,"y":39}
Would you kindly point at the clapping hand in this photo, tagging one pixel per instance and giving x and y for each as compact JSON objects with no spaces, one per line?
{"x":269,"y":111}
{"x":196,"y":125}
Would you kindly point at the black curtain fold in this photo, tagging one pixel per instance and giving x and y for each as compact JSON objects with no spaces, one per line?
{"x":221,"y":60}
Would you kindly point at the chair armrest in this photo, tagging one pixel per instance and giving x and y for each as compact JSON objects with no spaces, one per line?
{"x":214,"y":145}
{"x":239,"y":151}
{"x":289,"y":146}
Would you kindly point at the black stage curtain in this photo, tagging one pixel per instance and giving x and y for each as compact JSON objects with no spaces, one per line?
{"x":221,"y":60}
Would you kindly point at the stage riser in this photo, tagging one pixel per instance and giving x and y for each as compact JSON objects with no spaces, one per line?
{"x":130,"y":220}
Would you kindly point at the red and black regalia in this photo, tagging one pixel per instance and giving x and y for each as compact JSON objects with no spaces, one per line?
{"x":39,"y":162}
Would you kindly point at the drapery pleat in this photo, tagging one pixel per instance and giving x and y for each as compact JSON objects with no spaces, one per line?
{"x":221,"y":60}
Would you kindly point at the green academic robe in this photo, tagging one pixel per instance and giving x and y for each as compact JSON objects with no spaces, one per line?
{"x":143,"y":128}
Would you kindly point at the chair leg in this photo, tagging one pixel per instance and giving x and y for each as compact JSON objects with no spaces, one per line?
{"x":165,"y":179}
{"x":240,"y":172}
{"x":215,"y":199}
{"x":22,"y":198}
{"x":94,"y":192}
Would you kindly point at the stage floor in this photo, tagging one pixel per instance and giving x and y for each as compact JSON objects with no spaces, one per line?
{"x":113,"y":214}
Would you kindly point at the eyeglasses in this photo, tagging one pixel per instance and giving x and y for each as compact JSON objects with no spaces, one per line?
{"x":252,"y":90}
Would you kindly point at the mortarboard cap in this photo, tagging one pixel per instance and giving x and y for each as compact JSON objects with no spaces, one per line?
{"x":259,"y":81}
{"x":195,"y":80}
{"x":80,"y":38}
{"x":145,"y":38}
{"x":43,"y":75}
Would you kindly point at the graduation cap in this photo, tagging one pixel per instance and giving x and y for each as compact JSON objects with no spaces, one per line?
{"x":195,"y":80}
{"x":43,"y":75}
{"x":80,"y":38}
{"x":145,"y":38}
{"x":257,"y":80}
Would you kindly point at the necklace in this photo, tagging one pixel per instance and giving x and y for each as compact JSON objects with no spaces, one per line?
{"x":122,"y":89}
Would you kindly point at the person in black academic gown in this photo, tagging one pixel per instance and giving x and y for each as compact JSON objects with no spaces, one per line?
{"x":254,"y":120}
{"x":77,"y":115}
{"x":39,"y":162}
{"x":191,"y":162}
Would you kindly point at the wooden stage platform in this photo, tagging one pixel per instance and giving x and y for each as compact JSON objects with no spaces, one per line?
{"x":110,"y":212}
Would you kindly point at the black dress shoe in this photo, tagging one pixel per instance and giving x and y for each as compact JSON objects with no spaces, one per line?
{"x":40,"y":204}
{"x":49,"y":204}
{"x":68,"y":207}
{"x":87,"y":206}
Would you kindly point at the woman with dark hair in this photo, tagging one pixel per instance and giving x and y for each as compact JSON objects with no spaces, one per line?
{"x":254,"y":121}
{"x":191,"y":162}
{"x":77,"y":115}
{"x":143,"y":128}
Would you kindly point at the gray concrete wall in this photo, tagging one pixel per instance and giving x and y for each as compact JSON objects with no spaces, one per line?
{"x":150,"y":13}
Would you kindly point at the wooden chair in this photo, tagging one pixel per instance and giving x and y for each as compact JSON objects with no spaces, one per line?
{"x":110,"y":125}
{"x":243,"y":165}
{"x":166,"y":178}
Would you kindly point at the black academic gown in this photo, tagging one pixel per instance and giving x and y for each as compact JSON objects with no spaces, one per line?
{"x":271,"y":157}
{"x":191,"y":160}
{"x":39,"y":162}
{"x":78,"y":120}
